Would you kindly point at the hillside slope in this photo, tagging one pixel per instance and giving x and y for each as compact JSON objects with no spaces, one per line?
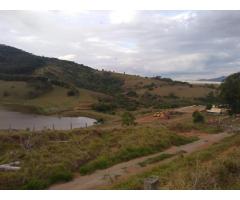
{"x":52,"y":84}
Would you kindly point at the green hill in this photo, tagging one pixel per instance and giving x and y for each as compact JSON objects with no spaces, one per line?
{"x":51,"y":84}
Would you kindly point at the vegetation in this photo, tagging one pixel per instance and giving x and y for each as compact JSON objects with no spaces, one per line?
{"x":15,"y":61}
{"x":215,"y":168}
{"x":107,"y":92}
{"x":209,"y":106}
{"x":128,"y":119}
{"x":230,"y":92}
{"x":72,"y":92}
{"x":53,"y":156}
{"x":198,"y":117}
{"x":156,"y":159}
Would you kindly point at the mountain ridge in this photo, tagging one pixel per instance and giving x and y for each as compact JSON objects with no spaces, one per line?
{"x":217,"y":79}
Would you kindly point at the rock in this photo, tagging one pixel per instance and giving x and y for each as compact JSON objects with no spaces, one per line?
{"x":13,"y":166}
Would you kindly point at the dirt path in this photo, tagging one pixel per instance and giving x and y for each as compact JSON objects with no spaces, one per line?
{"x":120,"y":171}
{"x":186,"y":112}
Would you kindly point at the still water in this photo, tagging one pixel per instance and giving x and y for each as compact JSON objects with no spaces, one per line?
{"x":17,"y":120}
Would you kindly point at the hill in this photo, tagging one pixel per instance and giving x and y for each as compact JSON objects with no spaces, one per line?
{"x":53,"y":86}
{"x":218,"y":79}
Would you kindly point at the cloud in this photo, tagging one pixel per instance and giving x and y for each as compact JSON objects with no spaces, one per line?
{"x":122,"y":16}
{"x":67,"y":57}
{"x":178,"y":44}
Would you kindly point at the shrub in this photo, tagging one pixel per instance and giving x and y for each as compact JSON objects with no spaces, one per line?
{"x":72,"y":92}
{"x":208,"y":106}
{"x":198,"y":117}
{"x":104,"y":107}
{"x":35,"y":184}
{"x":6,"y":94}
{"x":132,"y":94}
{"x":100,"y":121}
{"x":128,"y":119}
{"x":61,"y":174}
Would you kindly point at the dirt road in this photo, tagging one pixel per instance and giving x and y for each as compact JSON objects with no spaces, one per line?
{"x":120,"y":171}
{"x":186,"y":112}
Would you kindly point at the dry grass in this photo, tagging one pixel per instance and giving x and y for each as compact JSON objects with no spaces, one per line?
{"x":54,"y":156}
{"x":218,"y":167}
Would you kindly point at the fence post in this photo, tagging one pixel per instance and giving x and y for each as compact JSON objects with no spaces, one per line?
{"x":151,"y":183}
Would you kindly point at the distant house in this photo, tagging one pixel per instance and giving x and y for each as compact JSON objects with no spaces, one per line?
{"x":215,"y":110}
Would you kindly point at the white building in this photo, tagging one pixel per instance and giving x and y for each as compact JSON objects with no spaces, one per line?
{"x":215,"y":110}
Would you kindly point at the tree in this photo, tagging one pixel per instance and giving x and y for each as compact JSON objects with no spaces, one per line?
{"x":209,"y":106}
{"x":230,"y":92}
{"x":198,"y":117}
{"x":72,"y":92}
{"x":128,"y":119}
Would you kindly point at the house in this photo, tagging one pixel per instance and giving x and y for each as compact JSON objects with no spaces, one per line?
{"x":215,"y":110}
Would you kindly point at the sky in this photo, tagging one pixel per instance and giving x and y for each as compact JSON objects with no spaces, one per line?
{"x":184,"y":45}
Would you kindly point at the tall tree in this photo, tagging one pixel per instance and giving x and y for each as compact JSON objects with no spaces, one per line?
{"x":230,"y":92}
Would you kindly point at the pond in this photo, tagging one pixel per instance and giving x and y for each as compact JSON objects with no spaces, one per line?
{"x":16,"y":120}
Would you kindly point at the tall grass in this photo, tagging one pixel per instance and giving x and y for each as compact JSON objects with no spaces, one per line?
{"x":215,"y":168}
{"x":53,"y":156}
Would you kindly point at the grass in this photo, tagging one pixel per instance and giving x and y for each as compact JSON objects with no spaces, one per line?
{"x":217,"y":167}
{"x":53,"y":156}
{"x":52,"y":102}
{"x":137,"y":148}
{"x":155,"y":159}
{"x":163,"y":88}
{"x":187,"y":125}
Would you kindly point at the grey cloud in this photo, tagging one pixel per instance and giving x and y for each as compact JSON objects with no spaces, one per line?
{"x":179,"y":44}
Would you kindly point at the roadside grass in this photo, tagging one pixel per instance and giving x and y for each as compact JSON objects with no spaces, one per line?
{"x":48,"y":157}
{"x":155,"y":159}
{"x":146,"y":141}
{"x":217,"y":167}
{"x":189,"y":126}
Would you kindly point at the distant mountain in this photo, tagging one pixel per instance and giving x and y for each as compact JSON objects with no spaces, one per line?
{"x":218,"y":79}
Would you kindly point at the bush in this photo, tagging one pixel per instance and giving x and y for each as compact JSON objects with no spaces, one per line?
{"x":208,"y":106}
{"x":128,"y":119}
{"x":104,"y":107}
{"x":198,"y":117}
{"x":6,"y":94}
{"x":100,"y":121}
{"x":35,"y":184}
{"x":72,"y":92}
{"x":132,"y":94}
{"x":61,"y":174}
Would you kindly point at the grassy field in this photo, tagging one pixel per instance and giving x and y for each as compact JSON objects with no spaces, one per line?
{"x":164,"y":88}
{"x":14,"y":94}
{"x":53,"y":156}
{"x":218,"y":167}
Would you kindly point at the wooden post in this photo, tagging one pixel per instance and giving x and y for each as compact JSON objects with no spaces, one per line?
{"x":86,"y":125}
{"x":53,"y":127}
{"x":151,"y":183}
{"x":71,"y":126}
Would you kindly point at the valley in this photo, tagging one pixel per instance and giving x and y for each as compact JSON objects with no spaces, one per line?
{"x":143,"y":125}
